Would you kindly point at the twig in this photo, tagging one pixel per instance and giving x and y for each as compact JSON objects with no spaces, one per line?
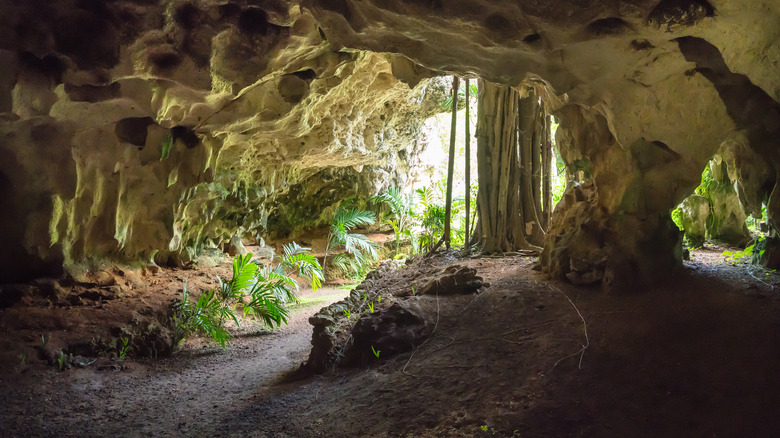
{"x":771,"y":287}
{"x":581,"y":351}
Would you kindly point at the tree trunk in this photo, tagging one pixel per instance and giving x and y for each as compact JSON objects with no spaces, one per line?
{"x":508,"y":143}
{"x":451,"y":163}
{"x":546,"y":172}
{"x":468,"y":166}
{"x":530,"y":158}
{"x":500,"y":227}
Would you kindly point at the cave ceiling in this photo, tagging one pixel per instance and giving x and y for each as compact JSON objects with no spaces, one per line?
{"x":135,"y":128}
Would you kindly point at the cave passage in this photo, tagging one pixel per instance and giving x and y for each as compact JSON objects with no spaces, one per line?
{"x":231,"y":218}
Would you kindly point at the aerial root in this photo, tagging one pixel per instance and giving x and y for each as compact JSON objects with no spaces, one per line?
{"x":585,"y":346}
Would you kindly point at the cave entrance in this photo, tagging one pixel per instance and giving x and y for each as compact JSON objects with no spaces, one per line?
{"x":718,"y":214}
{"x":427,"y":182}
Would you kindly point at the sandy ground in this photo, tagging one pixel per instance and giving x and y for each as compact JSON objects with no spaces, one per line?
{"x":698,"y":355}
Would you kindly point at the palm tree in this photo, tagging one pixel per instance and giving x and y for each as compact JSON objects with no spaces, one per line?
{"x":402,"y":209}
{"x":359,"y":251}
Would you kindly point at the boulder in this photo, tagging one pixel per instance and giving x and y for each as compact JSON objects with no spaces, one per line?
{"x":390,"y":331}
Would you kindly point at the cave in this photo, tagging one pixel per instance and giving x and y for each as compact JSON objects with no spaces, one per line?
{"x":213,"y":220}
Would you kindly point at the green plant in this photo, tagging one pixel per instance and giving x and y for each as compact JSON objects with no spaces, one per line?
{"x":22,"y":359}
{"x":64,"y":360}
{"x":166,"y":146}
{"x":347,"y":313}
{"x":402,"y":210}
{"x":125,"y":348}
{"x":677,"y":217}
{"x":298,"y":259}
{"x":359,"y":252}
{"x":735,"y":256}
{"x":473,"y":93}
{"x":261,"y":293}
{"x":370,"y":308}
{"x":43,"y":340}
{"x":432,"y":218}
{"x":376,"y":352}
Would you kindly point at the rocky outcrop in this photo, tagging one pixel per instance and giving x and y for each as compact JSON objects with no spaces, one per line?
{"x":135,"y":131}
{"x":694,"y":212}
{"x":396,"y":329}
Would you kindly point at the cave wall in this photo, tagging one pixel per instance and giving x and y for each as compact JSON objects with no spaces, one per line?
{"x":140,"y":131}
{"x":135,"y":128}
{"x":645,"y":91}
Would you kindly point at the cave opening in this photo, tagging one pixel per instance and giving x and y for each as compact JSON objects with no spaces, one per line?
{"x":229,"y":218}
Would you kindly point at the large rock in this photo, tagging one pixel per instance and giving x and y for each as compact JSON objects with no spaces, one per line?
{"x":694,"y":212}
{"x":452,"y":280}
{"x":396,"y":329}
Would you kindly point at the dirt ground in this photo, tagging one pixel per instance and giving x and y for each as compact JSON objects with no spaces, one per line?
{"x":696,"y":356}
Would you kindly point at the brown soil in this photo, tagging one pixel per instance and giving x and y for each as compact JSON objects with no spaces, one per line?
{"x":696,"y":356}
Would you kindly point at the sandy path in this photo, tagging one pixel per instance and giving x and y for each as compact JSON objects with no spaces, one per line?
{"x":191,"y":394}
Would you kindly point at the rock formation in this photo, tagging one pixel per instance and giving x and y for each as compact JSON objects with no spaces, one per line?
{"x":137,"y":129}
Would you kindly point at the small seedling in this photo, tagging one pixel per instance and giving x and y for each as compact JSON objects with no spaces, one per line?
{"x":347,"y":313}
{"x":371,"y":307}
{"x":365,"y":297}
{"x":22,"y":359}
{"x":63,"y":360}
{"x":414,"y":290}
{"x":376,"y":352}
{"x":484,"y":428}
{"x":379,"y":298}
{"x":43,"y":340}
{"x":125,"y":348}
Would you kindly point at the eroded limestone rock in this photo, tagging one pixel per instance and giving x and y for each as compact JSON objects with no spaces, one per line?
{"x":396,"y":329}
{"x":695,"y":210}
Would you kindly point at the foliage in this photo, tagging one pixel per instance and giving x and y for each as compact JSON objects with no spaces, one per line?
{"x":125,"y":348}
{"x":736,"y":256}
{"x":473,"y":93}
{"x":754,"y":224}
{"x":402,"y":209}
{"x":432,"y":218}
{"x":298,"y":259}
{"x":750,"y":251}
{"x":677,"y":217}
{"x":166,"y":146}
{"x":260,"y":292}
{"x":359,"y":252}
{"x":706,"y":182}
{"x":64,"y":361}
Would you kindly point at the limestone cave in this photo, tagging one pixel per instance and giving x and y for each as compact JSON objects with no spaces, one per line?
{"x":222,"y":218}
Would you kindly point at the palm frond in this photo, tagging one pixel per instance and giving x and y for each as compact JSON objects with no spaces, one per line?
{"x":344,"y":263}
{"x":360,"y":244}
{"x":265,"y":305}
{"x":243,"y":272}
{"x":297,"y":259}
{"x":352,"y":217}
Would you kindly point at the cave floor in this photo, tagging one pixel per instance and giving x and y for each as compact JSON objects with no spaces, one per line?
{"x":696,"y":356}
